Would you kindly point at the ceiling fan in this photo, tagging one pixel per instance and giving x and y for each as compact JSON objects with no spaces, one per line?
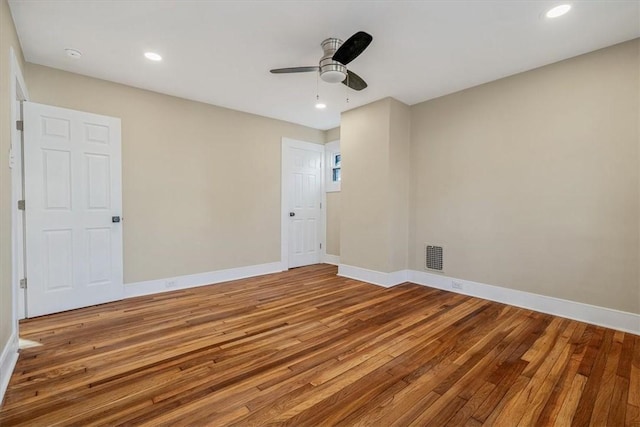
{"x":337,"y":54}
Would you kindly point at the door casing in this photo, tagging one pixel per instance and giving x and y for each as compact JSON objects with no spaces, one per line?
{"x":17,"y":92}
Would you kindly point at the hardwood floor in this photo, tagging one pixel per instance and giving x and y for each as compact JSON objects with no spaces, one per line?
{"x":307,"y":348}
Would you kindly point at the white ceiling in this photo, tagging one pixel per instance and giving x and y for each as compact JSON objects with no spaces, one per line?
{"x":220,"y":52}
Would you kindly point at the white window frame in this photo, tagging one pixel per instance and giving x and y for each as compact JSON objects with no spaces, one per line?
{"x":331,"y":149}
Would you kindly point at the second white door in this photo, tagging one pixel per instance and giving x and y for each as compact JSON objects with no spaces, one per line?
{"x":303,"y":194}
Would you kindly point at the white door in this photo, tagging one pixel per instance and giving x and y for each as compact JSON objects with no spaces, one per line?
{"x":72,"y":164}
{"x":303,"y":195}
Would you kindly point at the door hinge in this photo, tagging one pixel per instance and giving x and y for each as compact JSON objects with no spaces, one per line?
{"x":21,"y":205}
{"x":23,"y":283}
{"x":320,"y":245}
{"x":320,"y":205}
{"x":20,"y":124}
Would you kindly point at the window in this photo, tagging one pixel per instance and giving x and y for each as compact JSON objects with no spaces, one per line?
{"x":334,"y":166}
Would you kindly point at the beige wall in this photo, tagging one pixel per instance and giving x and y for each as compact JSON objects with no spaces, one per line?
{"x":201,"y":184}
{"x":8,"y":39}
{"x":333,"y":206}
{"x":399,"y":179}
{"x":365,"y":179}
{"x":332,"y":134}
{"x":333,"y":223}
{"x":532,"y":182}
{"x":375,"y":186}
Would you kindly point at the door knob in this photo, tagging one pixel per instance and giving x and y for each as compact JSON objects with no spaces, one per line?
{"x":292,"y":214}
{"x":115,"y":219}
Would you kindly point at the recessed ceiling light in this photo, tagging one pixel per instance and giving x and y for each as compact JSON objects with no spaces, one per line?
{"x":558,"y":11}
{"x":74,"y":53}
{"x":321,"y":106}
{"x":153,"y":56}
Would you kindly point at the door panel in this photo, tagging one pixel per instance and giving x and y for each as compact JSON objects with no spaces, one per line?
{"x":55,"y":129}
{"x":98,"y":181}
{"x":312,"y":236}
{"x":72,"y":163}
{"x":58,"y":260}
{"x":96,"y":133}
{"x":99,"y":255}
{"x":57,"y":179}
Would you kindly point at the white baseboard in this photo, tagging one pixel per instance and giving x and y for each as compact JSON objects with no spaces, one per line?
{"x":371,"y":276}
{"x":8,"y":360}
{"x":331,"y":259}
{"x":601,"y":316}
{"x":149,"y":287}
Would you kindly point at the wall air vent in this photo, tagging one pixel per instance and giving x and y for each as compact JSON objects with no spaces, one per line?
{"x":433,"y":257}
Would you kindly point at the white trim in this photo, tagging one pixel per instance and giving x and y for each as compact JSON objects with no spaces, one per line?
{"x":16,"y":73}
{"x":303,"y":145}
{"x":331,"y":148}
{"x":331,"y":259}
{"x":323,"y":217}
{"x":17,"y":91}
{"x":8,"y":360}
{"x":371,"y":276}
{"x":284,"y":206}
{"x":149,"y":287}
{"x":601,"y":316}
{"x":284,"y":199}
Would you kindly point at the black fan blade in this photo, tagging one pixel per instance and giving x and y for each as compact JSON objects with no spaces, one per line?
{"x":294,"y":70}
{"x":354,"y":81}
{"x":353,"y":47}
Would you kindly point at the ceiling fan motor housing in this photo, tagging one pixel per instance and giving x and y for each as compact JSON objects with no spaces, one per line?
{"x":331,"y":71}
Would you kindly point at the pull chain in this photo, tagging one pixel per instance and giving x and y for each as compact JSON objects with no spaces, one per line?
{"x":347,"y":87}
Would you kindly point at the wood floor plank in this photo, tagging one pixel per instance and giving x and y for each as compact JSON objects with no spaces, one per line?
{"x":306,"y":347}
{"x":618,"y":410}
{"x":634,"y":376}
{"x":585,"y":409}
{"x":604,"y":397}
{"x":568,"y":409}
{"x":632,"y":418}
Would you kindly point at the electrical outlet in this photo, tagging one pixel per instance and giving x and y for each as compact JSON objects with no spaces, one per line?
{"x":456,"y":285}
{"x":170,"y":283}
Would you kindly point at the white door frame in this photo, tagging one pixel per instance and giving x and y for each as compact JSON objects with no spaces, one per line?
{"x":284,"y":199}
{"x":17,"y":92}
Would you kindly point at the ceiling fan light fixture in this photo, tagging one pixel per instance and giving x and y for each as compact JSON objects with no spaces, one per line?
{"x":331,"y":71}
{"x":333,"y":76}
